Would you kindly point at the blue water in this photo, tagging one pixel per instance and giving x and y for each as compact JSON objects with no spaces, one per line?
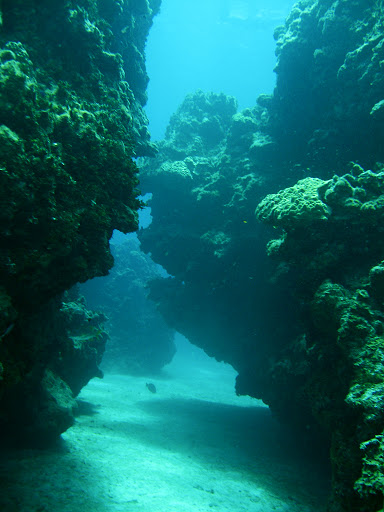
{"x":214,"y":45}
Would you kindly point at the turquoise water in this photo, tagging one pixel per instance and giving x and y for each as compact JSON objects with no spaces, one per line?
{"x":216,"y":45}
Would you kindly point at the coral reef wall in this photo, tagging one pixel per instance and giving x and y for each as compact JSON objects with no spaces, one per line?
{"x":72,"y":88}
{"x":205,"y":187}
{"x":335,"y":365}
{"x":301,"y":321}
{"x":328,"y":103}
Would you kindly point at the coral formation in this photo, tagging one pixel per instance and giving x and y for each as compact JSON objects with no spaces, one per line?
{"x":72,"y":88}
{"x":49,"y":356}
{"x":205,"y":234}
{"x":326,"y":105}
{"x":296,"y":207}
{"x":343,"y":327}
{"x":303,"y":328}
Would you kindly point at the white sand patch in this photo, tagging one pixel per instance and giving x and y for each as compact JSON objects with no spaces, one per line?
{"x":191,"y":447}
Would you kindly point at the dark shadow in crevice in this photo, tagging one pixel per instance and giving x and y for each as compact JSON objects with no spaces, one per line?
{"x":236,"y":439}
{"x":85,"y":408}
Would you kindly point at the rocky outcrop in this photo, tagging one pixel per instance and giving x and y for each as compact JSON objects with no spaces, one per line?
{"x":140,"y":340}
{"x":72,"y":87}
{"x":48,"y":357}
{"x":300,"y":322}
{"x":327,"y":106}
{"x":204,"y":231}
{"x":205,"y":234}
{"x":339,"y":353}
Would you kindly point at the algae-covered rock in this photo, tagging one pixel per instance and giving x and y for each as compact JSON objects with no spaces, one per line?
{"x":343,"y":326}
{"x":177,"y":175}
{"x":329,"y":83}
{"x":73,"y":122}
{"x":82,"y":349}
{"x":356,"y":195}
{"x":336,"y":213}
{"x":295,"y":207}
{"x":62,"y":344}
{"x":200,"y":123}
{"x":376,"y":281}
{"x":72,"y":88}
{"x":204,"y":189}
{"x":263,"y":147}
{"x":372,"y":479}
{"x":219,"y":241}
{"x":56,"y":416}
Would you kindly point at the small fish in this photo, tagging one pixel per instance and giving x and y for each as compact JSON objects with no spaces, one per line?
{"x":151,"y":387}
{"x":7,"y":331}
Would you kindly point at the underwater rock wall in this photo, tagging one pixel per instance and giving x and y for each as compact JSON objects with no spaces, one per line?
{"x":328,"y":105}
{"x":331,"y":248}
{"x":301,"y":324}
{"x":204,"y":232}
{"x":72,"y":88}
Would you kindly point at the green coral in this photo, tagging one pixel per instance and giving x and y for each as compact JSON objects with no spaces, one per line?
{"x":72,"y":88}
{"x":70,"y":128}
{"x":296,"y":207}
{"x":199,"y":124}
{"x":217,"y":241}
{"x":376,"y":279}
{"x":176,"y":172}
{"x":372,"y":479}
{"x":344,"y":284}
{"x":337,"y":212}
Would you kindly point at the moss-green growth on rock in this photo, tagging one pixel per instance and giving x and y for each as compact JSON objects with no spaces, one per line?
{"x":331,"y":216}
{"x":47,"y":357}
{"x":329,"y":83}
{"x":376,"y":282}
{"x":200,"y":123}
{"x":343,"y":327}
{"x":72,"y":88}
{"x":296,"y":207}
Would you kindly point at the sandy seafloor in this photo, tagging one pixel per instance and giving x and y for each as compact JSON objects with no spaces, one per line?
{"x":194,"y":446}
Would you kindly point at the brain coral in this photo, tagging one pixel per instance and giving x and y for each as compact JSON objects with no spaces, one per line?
{"x":294,"y":207}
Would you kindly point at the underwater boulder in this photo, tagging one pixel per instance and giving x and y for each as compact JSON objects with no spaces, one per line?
{"x":296,"y":207}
